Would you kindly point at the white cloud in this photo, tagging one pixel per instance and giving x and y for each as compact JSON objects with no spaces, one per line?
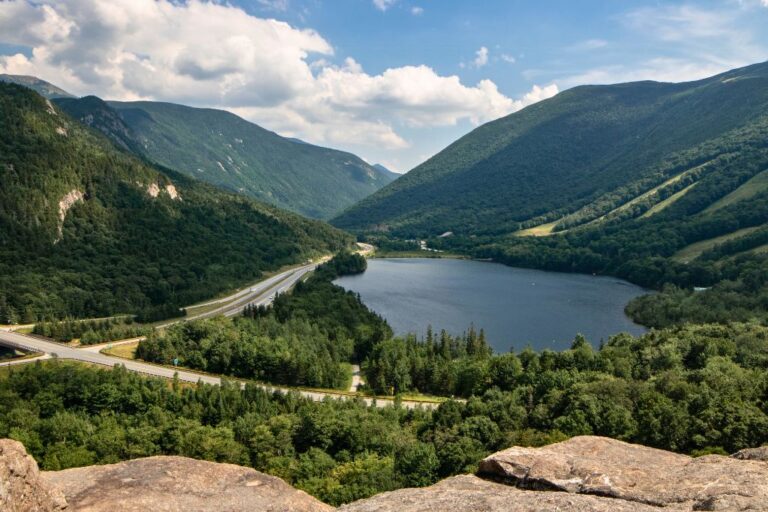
{"x":217,"y":55}
{"x":481,"y":57}
{"x":659,"y":69}
{"x":274,"y":5}
{"x":690,"y":42}
{"x":383,"y":5}
{"x":418,"y":11}
{"x":510,"y":59}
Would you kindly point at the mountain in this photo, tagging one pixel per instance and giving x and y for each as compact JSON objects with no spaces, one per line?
{"x":95,"y":113}
{"x":89,"y":230}
{"x":384,"y":170}
{"x":573,"y":158}
{"x":223,"y":149}
{"x":43,"y":88}
{"x":665,"y":185}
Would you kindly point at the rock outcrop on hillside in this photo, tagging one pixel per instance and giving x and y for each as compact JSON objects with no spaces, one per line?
{"x":178,"y":484}
{"x":632,"y":473}
{"x":582,"y":474}
{"x":468,"y":493}
{"x":21,"y":489}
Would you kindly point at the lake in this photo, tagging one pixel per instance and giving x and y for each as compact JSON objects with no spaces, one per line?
{"x":515,"y":306}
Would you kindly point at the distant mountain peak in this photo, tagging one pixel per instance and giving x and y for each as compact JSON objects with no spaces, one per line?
{"x":43,"y":88}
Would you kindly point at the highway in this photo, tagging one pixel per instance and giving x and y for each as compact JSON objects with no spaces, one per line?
{"x":261,"y":294}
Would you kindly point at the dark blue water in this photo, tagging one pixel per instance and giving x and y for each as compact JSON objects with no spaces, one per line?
{"x":516,"y":307}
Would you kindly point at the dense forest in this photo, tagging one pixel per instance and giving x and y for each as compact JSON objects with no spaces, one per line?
{"x":220,"y":148}
{"x":91,"y":231}
{"x":90,"y":332}
{"x":305,"y":339}
{"x":665,"y":185}
{"x":586,"y":150}
{"x":694,"y":389}
{"x":665,"y":218}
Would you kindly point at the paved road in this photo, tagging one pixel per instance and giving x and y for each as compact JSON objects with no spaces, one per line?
{"x":261,"y":293}
{"x":51,"y":348}
{"x":264,"y":295}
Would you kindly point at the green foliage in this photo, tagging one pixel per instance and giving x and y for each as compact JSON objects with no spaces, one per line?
{"x":295,"y":352}
{"x":694,"y":389}
{"x":303,"y":340}
{"x":684,"y":389}
{"x":593,"y":162}
{"x":90,"y":332}
{"x":119,"y":249}
{"x":335,"y":311}
{"x":442,"y":366}
{"x":225,"y":150}
{"x":559,"y":155}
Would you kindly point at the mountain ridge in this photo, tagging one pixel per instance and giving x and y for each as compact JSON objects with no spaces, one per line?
{"x":312,"y":180}
{"x":91,"y":230}
{"x":576,"y":139}
{"x":45,"y":89}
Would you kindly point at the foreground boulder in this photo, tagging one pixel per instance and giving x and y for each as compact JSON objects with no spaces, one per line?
{"x":176,"y":484}
{"x":21,"y":489}
{"x":632,"y":473}
{"x":469,"y":493}
{"x":583,"y":474}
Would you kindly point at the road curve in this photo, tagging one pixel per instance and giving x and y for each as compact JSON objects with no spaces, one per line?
{"x":265,"y":294}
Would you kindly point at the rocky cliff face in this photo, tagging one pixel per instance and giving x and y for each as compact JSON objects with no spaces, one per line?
{"x":582,"y":474}
{"x":178,"y":484}
{"x":623,"y":472}
{"x":21,"y":488}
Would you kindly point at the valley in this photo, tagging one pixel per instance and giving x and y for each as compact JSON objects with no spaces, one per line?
{"x":179,"y":281}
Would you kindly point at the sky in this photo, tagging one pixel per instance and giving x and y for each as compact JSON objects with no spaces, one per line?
{"x":393,"y":81}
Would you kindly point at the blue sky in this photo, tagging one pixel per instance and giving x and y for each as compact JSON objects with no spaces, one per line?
{"x":394,"y":81}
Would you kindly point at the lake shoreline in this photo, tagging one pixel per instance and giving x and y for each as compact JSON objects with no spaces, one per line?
{"x":516,"y":306}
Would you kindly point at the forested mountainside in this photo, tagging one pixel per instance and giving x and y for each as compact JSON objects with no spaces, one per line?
{"x":43,"y":88}
{"x":90,"y":230}
{"x":223,"y":149}
{"x":662,"y":184}
{"x":576,"y":157}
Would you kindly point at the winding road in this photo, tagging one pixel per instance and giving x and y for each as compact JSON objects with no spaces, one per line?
{"x":262,"y":293}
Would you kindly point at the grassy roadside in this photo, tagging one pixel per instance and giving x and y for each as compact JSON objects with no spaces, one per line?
{"x":124,"y":351}
{"x":202,"y":308}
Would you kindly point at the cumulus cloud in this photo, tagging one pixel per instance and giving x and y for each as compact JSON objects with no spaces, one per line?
{"x":274,"y":5}
{"x":481,"y":57}
{"x":215,"y":54}
{"x":695,"y":43}
{"x":418,"y":11}
{"x":383,"y":5}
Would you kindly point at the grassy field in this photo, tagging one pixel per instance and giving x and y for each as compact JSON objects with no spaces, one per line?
{"x":541,"y":230}
{"x":667,"y":202}
{"x":126,"y":350}
{"x":693,"y":251}
{"x":757,"y":184}
{"x":548,"y":229}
